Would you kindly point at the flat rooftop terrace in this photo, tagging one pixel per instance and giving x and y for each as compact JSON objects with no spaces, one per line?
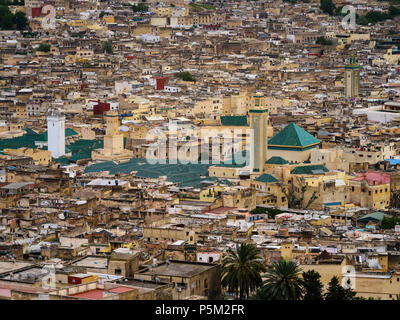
{"x":176,"y":269}
{"x":7,"y":266}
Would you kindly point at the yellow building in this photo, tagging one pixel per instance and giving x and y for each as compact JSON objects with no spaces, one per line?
{"x":109,"y":19}
{"x":83,"y":54}
{"x":319,"y":189}
{"x":269,"y":190}
{"x":164,"y":11}
{"x":211,"y":107}
{"x":40,"y":157}
{"x":370,"y":190}
{"x":391,"y":58}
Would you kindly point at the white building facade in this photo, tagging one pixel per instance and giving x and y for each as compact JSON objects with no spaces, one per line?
{"x":56,"y":133}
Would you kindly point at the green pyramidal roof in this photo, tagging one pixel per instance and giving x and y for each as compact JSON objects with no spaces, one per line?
{"x":276,"y":160}
{"x":292,"y":136}
{"x":267,"y":178}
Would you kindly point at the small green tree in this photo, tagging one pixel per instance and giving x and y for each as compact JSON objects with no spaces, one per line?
{"x":20,"y":20}
{"x":337,"y":292}
{"x":271,"y":212}
{"x":328,"y":7}
{"x":312,"y":285}
{"x":389,"y":222}
{"x":393,"y":12}
{"x":141,"y":7}
{"x":107,"y":47}
{"x":323,"y":41}
{"x":361,"y":20}
{"x":186,"y":76}
{"x":6,"y":18}
{"x":44,"y":47}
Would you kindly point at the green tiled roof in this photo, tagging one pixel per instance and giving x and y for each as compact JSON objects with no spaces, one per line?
{"x":182,"y":174}
{"x":82,"y":149}
{"x":375,"y":216}
{"x":276,"y":160}
{"x":234,"y":120}
{"x":68,"y":133}
{"x":30,"y":131}
{"x":267,"y":178}
{"x":27,"y":141}
{"x":292,"y":136}
{"x":312,"y":169}
{"x":62,"y":160}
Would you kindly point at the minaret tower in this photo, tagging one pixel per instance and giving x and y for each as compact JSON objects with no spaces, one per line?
{"x":56,"y":133}
{"x":351,"y":79}
{"x":259,"y":143}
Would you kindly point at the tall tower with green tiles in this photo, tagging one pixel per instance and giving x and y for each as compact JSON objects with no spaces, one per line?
{"x":259,"y":142}
{"x":351,"y":78}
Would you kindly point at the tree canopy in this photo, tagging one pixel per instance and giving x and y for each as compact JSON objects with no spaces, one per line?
{"x":282,"y":282}
{"x":44,"y":47}
{"x":241,"y":270}
{"x":107,"y":47}
{"x":10,"y":21}
{"x":328,"y":7}
{"x":389,"y":222}
{"x":312,"y":285}
{"x":141,"y":7}
{"x":337,"y":292}
{"x":186,"y":76}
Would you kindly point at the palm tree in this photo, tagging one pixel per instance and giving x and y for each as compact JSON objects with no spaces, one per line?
{"x":241,"y":270}
{"x":282,"y":282}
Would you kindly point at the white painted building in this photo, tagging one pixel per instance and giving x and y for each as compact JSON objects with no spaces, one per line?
{"x":172,"y":89}
{"x":381,"y":114}
{"x":56,"y":133}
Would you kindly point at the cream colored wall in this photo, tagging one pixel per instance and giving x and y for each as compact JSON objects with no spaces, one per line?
{"x":40,"y":157}
{"x":290,"y":156}
{"x":223,"y":172}
{"x":211,"y":106}
{"x":327,"y":271}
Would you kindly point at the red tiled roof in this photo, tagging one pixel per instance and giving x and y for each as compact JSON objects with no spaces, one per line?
{"x":373,"y":178}
{"x":95,"y":294}
{"x":5,"y":292}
